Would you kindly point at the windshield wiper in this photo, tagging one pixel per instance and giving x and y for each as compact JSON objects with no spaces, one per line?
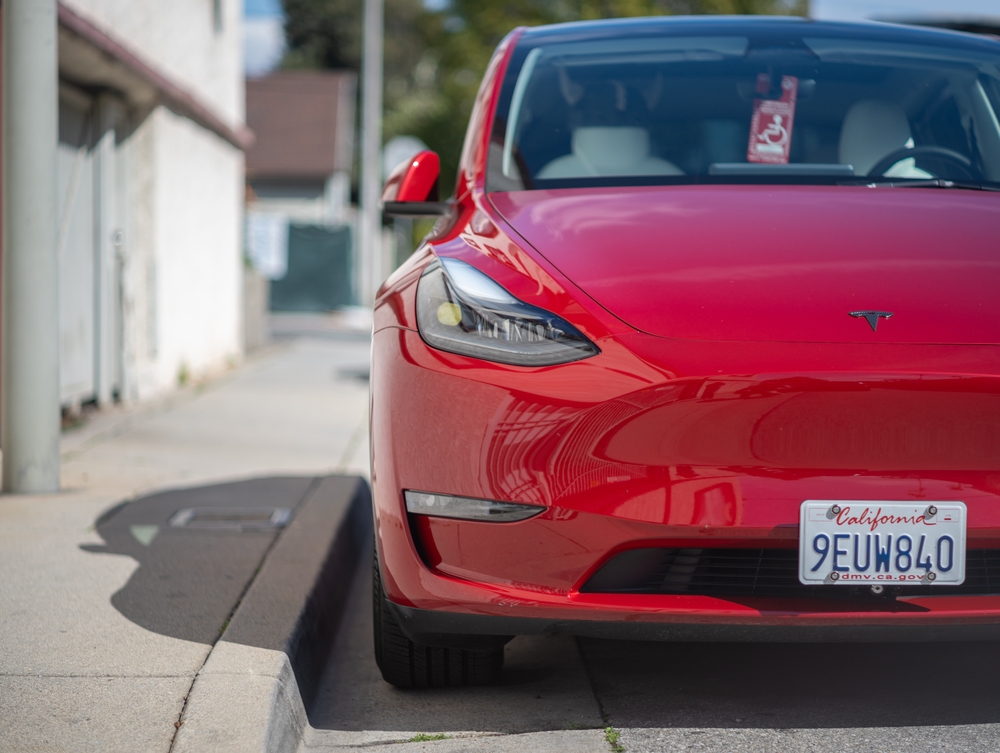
{"x":932,"y":183}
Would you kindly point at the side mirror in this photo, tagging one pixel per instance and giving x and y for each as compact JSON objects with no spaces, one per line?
{"x":412,"y":189}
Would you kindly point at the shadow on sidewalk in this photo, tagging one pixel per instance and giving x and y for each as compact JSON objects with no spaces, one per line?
{"x":191,"y":578}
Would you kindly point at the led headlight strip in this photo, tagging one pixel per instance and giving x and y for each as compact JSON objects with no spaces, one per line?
{"x":461,"y":310}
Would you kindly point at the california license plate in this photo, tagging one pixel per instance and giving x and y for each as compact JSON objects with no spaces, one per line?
{"x":879,"y":543}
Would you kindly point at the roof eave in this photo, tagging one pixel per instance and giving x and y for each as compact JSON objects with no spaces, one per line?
{"x":90,"y":57}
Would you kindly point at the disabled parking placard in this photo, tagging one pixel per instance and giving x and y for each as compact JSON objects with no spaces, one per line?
{"x":771,"y":125}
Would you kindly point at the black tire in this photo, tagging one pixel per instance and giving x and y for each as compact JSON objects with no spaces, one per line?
{"x":406,"y":664}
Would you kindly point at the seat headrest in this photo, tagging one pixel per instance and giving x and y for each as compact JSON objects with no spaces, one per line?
{"x":871,"y":130}
{"x":611,"y":148}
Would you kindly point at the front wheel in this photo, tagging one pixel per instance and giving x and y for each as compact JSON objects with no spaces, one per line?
{"x":406,"y":664}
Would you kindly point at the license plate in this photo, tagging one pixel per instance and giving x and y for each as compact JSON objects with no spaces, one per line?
{"x":875,"y":543}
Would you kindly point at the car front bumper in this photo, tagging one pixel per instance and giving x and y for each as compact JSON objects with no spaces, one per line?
{"x":657,"y":443}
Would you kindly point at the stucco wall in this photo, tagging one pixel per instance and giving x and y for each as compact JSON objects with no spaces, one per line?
{"x":182,"y":277}
{"x":183,"y":187}
{"x":198,"y":249}
{"x":179,"y":37}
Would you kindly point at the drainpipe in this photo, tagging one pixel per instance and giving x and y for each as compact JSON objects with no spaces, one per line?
{"x":29,"y":391}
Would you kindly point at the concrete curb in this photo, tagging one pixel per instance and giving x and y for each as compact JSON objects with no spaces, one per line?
{"x":252,"y":692}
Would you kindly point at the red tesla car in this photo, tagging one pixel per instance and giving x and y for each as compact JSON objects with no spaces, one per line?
{"x":705,"y":346}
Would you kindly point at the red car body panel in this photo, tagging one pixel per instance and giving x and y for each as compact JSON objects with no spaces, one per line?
{"x":718,"y":403}
{"x":775,"y":263}
{"x":414,"y":180}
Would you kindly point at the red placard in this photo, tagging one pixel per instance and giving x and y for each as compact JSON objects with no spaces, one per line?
{"x":771,"y":126}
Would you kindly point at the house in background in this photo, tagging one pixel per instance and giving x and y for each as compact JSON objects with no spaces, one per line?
{"x":300,"y":162}
{"x":299,"y":215}
{"x":150,"y":195}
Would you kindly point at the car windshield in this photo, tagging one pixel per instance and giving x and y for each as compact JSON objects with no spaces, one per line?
{"x":789,"y":107}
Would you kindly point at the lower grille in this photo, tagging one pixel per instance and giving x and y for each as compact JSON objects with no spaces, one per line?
{"x":759,"y":572}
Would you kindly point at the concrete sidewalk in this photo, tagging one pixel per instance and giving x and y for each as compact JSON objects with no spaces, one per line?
{"x":75,"y":672}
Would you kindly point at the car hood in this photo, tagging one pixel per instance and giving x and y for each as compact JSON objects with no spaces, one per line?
{"x":776,"y":263}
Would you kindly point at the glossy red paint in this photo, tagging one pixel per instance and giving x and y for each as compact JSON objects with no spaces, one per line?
{"x":776,"y":263}
{"x":414,"y":180}
{"x":690,"y":459}
{"x":714,"y":408}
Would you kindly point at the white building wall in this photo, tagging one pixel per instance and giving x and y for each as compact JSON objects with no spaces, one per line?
{"x":139,"y":293}
{"x":182,"y":195}
{"x":180,"y":38}
{"x":198,"y":250}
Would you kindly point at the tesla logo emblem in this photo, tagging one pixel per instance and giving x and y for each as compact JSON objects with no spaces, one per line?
{"x":872,"y":317}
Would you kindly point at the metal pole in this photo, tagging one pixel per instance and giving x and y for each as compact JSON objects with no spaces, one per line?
{"x":371,"y":146}
{"x":29,"y":403}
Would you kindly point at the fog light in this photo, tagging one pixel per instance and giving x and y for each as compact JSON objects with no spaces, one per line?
{"x":467,"y":508}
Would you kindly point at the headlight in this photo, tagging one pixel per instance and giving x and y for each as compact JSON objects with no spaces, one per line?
{"x":461,"y":310}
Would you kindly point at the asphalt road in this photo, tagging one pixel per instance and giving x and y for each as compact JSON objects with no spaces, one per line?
{"x":559,"y":694}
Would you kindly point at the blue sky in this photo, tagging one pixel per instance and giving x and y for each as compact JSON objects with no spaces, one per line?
{"x":263,"y":36}
{"x":261,"y":8}
{"x":858,"y":9}
{"x":271,"y":8}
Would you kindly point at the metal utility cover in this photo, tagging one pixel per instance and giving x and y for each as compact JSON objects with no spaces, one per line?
{"x":231,"y":518}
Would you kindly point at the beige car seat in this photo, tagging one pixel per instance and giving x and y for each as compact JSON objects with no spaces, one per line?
{"x":608,"y":150}
{"x":873,"y":130}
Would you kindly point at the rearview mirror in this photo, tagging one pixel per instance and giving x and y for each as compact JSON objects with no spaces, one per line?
{"x":412,"y":188}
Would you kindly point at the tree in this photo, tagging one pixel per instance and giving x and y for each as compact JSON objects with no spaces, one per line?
{"x":461,"y":39}
{"x":434,"y":60}
{"x":328,"y":34}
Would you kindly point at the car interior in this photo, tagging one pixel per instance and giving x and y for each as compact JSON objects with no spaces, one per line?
{"x":674,"y":119}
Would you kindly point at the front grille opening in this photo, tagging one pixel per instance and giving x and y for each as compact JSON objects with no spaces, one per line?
{"x":760,"y":572}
